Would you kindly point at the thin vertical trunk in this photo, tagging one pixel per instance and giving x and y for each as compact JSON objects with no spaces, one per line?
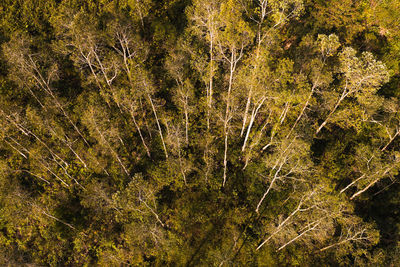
{"x":343,"y":96}
{"x":111,"y":149}
{"x":252,"y":118}
{"x":227,"y":115}
{"x":37,"y":176}
{"x":280,"y":161}
{"x":365,"y":188}
{"x":210,"y":89}
{"x":186,"y":125}
{"x":46,"y":87}
{"x":36,"y":98}
{"x":285,"y":111}
{"x":140,"y":14}
{"x":29,"y":132}
{"x":180,"y":161}
{"x":207,"y":160}
{"x":151,"y":210}
{"x":246,"y":112}
{"x":250,"y":95}
{"x":77,"y":156}
{"x":158,"y":125}
{"x":54,"y":174}
{"x":302,"y":111}
{"x":140,"y":133}
{"x":67,"y":143}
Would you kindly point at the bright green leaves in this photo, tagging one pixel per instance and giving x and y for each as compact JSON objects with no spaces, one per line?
{"x":140,"y":144}
{"x":372,"y":165}
{"x":235,"y":32}
{"x":139,"y":9}
{"x":284,"y":10}
{"x":360,"y":77}
{"x":136,"y":209}
{"x":345,"y":17}
{"x":328,"y":44}
{"x":362,"y":73}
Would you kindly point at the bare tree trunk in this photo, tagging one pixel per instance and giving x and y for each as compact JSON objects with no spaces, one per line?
{"x":343,"y":96}
{"x":298,"y":208}
{"x":37,"y":176}
{"x":227,"y":115}
{"x":158,"y":125}
{"x":269,"y":187}
{"x":110,"y":147}
{"x":281,"y":161}
{"x":140,"y":14}
{"x":140,"y":132}
{"x":54,"y":174}
{"x":186,"y":125}
{"x":302,"y":111}
{"x":380,"y":176}
{"x":246,"y":111}
{"x":391,"y":140}
{"x":16,"y":149}
{"x":180,"y":161}
{"x":352,"y":183}
{"x":210,"y":89}
{"x":314,"y":225}
{"x":46,"y":87}
{"x":365,"y":188}
{"x":151,"y":210}
{"x":252,"y":118}
{"x":259,"y":41}
{"x":29,"y":132}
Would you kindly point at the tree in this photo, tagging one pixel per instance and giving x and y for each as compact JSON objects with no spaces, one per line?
{"x":207,"y":133}
{"x":361,"y":78}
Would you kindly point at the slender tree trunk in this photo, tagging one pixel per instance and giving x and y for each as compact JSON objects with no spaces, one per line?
{"x":372,"y":183}
{"x":269,"y":187}
{"x":77,"y":156}
{"x":210,"y":88}
{"x":390,"y":141}
{"x":54,"y":174}
{"x":246,"y":111}
{"x":16,"y":149}
{"x":252,"y":118}
{"x":248,"y":102}
{"x":186,"y":123}
{"x":37,"y":176}
{"x":180,"y":162}
{"x":303,"y":233}
{"x":140,"y":133}
{"x":365,"y":188}
{"x":352,"y":183}
{"x":227,"y":116}
{"x":344,"y":94}
{"x":158,"y":125}
{"x":111,"y":149}
{"x":282,"y":224}
{"x":333,"y":245}
{"x":140,"y":14}
{"x":151,"y":210}
{"x":302,"y":111}
{"x":46,"y":87}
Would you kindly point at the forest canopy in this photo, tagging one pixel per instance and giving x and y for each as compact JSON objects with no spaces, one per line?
{"x":199,"y":133}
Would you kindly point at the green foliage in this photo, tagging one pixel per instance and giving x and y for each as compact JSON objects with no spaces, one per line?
{"x":199,"y":133}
